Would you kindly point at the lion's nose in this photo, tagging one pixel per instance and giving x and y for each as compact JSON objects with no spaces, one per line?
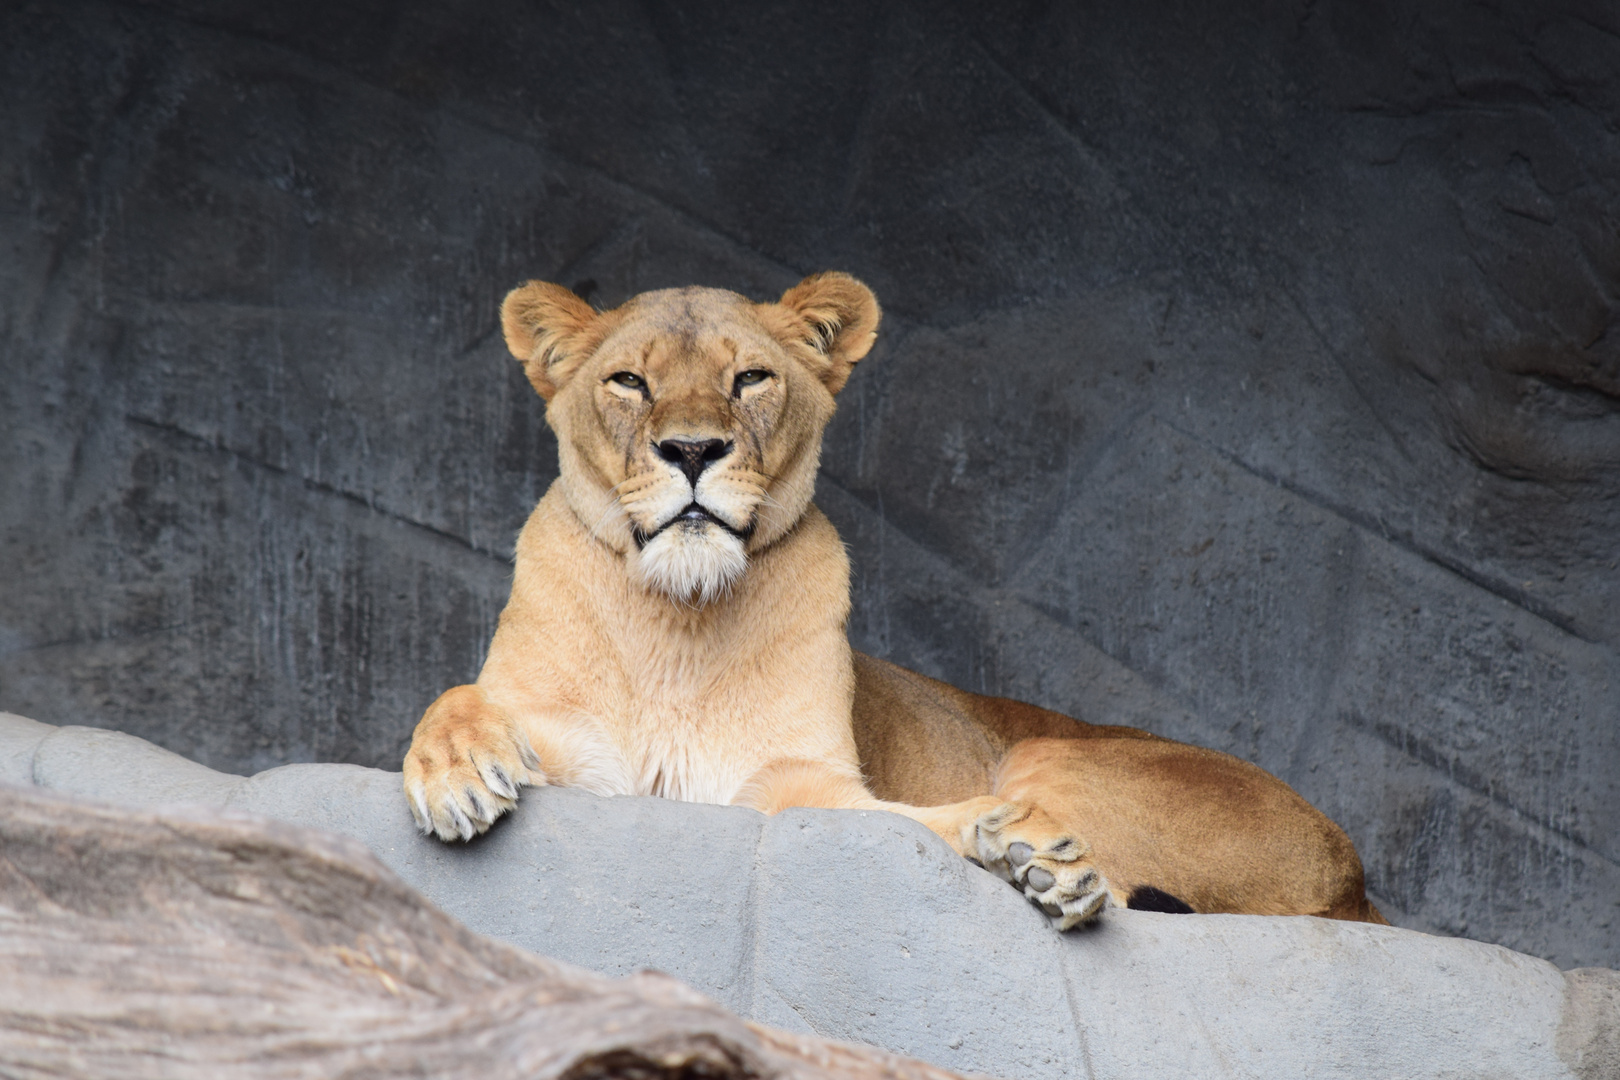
{"x":693,"y":457}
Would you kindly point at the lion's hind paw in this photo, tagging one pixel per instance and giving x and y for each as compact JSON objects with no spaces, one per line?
{"x":1021,"y":844}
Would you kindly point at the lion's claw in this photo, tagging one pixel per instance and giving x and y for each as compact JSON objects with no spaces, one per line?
{"x":465,"y":767}
{"x":1022,"y":845}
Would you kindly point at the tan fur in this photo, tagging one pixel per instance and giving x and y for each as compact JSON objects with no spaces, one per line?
{"x":686,"y":637}
{"x":1215,"y":831}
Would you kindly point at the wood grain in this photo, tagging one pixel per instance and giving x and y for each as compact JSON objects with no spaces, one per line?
{"x":195,"y":944}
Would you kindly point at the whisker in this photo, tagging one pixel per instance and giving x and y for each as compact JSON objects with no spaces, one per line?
{"x":765,"y":497}
{"x":612,"y":506}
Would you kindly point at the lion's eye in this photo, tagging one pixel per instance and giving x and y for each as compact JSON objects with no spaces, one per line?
{"x":629,"y":380}
{"x":752,"y":377}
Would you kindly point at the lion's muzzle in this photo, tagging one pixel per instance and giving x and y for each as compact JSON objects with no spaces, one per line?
{"x":694,"y":516}
{"x":693,"y":455}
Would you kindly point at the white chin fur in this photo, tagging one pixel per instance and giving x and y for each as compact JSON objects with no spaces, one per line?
{"x":692,"y":565}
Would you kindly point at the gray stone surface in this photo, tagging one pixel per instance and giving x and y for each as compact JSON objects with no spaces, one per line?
{"x":865,"y":927}
{"x":1588,"y":1037}
{"x":193,"y":943}
{"x":1250,"y":372}
{"x":19,"y":739}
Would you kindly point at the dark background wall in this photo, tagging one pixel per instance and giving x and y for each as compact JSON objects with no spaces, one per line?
{"x":1251,"y":372}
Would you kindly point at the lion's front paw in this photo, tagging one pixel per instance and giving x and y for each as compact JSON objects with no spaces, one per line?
{"x":464,"y":768}
{"x":1025,"y":846}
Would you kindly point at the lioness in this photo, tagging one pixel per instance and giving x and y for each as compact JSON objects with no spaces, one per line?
{"x":677,"y":628}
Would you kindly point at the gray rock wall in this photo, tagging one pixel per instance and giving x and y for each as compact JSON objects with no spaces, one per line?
{"x":866,"y":927}
{"x":1249,"y":374}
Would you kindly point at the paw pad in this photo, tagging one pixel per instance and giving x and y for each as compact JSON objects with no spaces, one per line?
{"x":1026,"y":847}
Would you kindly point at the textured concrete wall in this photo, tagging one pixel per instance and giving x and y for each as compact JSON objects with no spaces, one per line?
{"x":1249,"y":374}
{"x":866,"y":927}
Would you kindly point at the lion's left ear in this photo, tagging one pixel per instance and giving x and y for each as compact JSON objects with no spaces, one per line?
{"x":835,"y":317}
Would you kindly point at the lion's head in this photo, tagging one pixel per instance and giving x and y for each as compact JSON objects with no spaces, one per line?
{"x":689,"y":421}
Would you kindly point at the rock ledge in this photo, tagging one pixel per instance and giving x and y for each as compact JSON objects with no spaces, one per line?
{"x":864,"y":927}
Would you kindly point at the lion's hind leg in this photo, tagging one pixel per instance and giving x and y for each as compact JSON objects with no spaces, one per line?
{"x":466,"y":762}
{"x":1018,"y":842}
{"x":1179,"y":827}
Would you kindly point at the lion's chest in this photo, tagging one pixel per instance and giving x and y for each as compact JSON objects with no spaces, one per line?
{"x":632,"y":695}
{"x":690,"y":723}
{"x":682,"y":750}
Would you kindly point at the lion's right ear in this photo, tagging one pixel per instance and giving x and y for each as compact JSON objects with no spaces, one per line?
{"x":551,"y":330}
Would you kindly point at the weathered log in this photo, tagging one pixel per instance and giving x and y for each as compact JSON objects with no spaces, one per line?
{"x":193,"y":943}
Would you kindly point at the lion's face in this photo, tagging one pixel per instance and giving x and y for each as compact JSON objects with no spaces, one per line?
{"x":689,"y":421}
